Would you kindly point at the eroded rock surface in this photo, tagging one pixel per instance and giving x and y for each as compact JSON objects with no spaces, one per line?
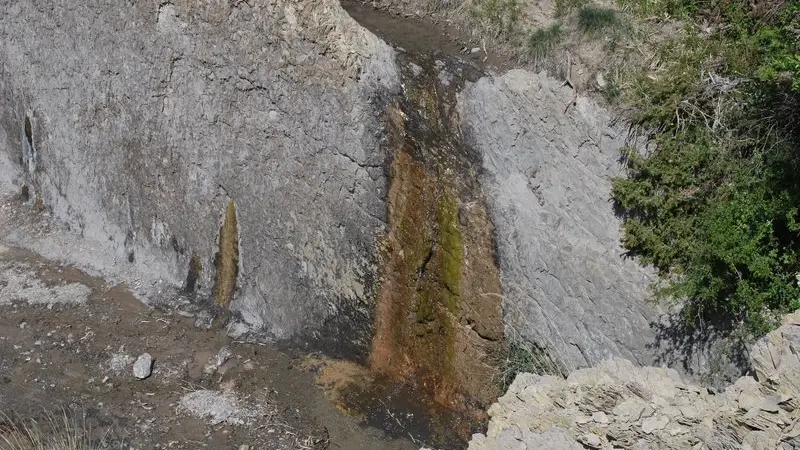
{"x":240,"y":152}
{"x":619,"y":405}
{"x":547,"y":174}
{"x":139,"y":124}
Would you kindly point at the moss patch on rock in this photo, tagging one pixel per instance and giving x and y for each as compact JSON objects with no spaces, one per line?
{"x":227,"y":258}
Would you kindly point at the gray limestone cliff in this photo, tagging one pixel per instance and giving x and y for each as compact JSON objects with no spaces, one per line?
{"x":238,"y":151}
{"x":139,"y":123}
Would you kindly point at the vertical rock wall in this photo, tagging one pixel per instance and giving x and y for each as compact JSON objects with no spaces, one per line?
{"x":139,"y":123}
{"x":567,"y":286}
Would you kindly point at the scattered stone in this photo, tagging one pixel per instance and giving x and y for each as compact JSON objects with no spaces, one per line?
{"x":216,"y":361}
{"x":119,"y":362}
{"x":223,"y":355}
{"x":630,"y":410}
{"x":204,"y":320}
{"x":220,"y":407}
{"x":600,"y":80}
{"x":649,"y":408}
{"x":143,"y":366}
{"x":771,"y":403}
{"x":238,"y":330}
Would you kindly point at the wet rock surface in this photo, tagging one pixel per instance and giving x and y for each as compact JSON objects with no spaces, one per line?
{"x":622,"y":406}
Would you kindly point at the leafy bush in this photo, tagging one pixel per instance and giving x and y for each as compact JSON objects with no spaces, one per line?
{"x":715,"y":208}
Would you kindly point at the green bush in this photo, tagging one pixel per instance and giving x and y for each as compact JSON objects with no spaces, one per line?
{"x":715,"y":208}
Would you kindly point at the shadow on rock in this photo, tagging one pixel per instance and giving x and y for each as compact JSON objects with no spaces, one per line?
{"x":707,"y":351}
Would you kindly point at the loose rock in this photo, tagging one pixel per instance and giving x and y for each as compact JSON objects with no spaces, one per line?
{"x":652,"y":408}
{"x":143,"y":366}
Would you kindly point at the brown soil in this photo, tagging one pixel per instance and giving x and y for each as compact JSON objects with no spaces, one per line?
{"x":54,"y":357}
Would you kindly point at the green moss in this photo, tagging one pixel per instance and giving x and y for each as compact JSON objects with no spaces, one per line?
{"x":227,"y":259}
{"x":451,"y":243}
{"x":441,"y":285}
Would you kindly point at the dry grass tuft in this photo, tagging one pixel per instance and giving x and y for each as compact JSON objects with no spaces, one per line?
{"x":54,"y":432}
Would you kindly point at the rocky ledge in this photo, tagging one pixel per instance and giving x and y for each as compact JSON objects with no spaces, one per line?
{"x":617,"y":405}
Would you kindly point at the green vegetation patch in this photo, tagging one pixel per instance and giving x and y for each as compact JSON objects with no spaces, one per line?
{"x":524,"y":358}
{"x":452,"y":245}
{"x":499,"y":17}
{"x":715,"y":207}
{"x":593,"y":19}
{"x":227,"y":258}
{"x":544,"y":40}
{"x":564,"y":7}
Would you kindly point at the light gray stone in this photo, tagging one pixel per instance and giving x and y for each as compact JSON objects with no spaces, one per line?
{"x":654,"y":423}
{"x":143,"y":366}
{"x":223,"y":355}
{"x":683,"y":415}
{"x":630,"y":410}
{"x":600,"y":417}
{"x":591,"y":440}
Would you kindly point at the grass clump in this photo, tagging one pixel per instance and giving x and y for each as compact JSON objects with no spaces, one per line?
{"x":524,"y":358}
{"x":542,"y":41}
{"x":593,"y":19}
{"x":51,"y":433}
{"x":564,"y":7}
{"x":500,"y":17}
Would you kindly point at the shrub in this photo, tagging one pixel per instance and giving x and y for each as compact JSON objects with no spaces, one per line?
{"x":524,"y":358}
{"x":715,"y":208}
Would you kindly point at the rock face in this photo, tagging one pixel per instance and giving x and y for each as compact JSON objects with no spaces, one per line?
{"x":231,"y":148}
{"x":547,"y":175}
{"x":245,"y":153}
{"x":620,"y":405}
